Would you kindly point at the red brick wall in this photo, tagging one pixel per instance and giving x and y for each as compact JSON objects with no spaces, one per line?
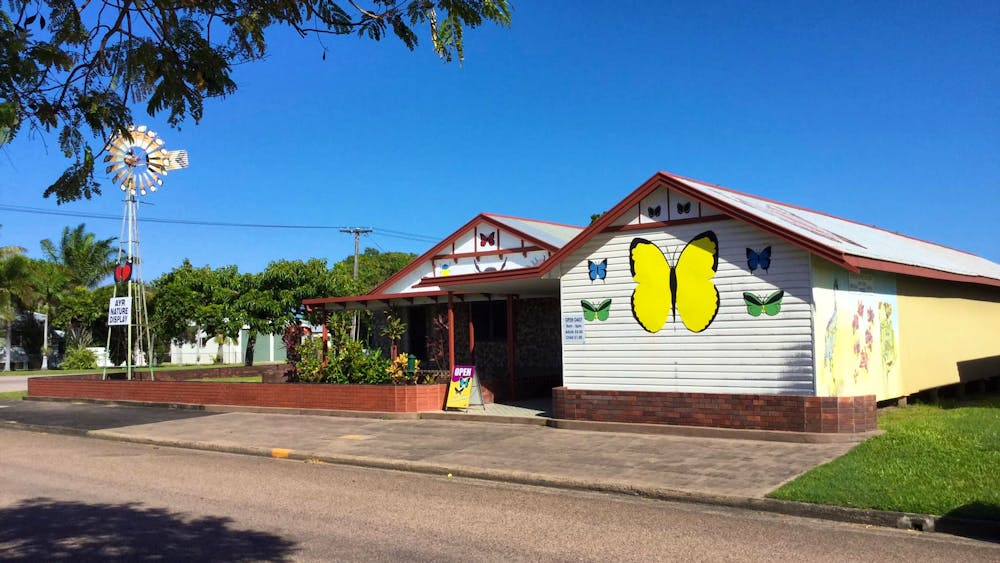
{"x":380,"y":398}
{"x":796,"y":413}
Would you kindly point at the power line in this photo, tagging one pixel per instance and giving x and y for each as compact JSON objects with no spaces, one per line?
{"x":384,"y":232}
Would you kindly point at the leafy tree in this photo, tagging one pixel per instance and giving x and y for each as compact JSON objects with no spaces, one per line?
{"x":14,"y":290}
{"x":80,"y":311}
{"x":87,"y":259}
{"x":70,"y":66}
{"x":48,"y":282}
{"x":272,"y":300}
{"x":374,"y":267}
{"x":189,"y":300}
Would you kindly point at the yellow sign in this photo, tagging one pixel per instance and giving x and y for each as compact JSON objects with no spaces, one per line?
{"x":460,"y":388}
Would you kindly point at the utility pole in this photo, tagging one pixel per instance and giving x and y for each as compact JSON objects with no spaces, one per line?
{"x":357,"y":232}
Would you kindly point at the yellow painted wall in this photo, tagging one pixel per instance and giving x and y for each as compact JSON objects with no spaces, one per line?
{"x":949,"y":332}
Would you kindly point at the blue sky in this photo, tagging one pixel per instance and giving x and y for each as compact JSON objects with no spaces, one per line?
{"x":882,"y":112}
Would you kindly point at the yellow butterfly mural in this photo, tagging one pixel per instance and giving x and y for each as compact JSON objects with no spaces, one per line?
{"x":685,"y":288}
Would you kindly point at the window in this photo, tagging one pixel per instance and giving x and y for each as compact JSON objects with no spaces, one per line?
{"x":489,"y":320}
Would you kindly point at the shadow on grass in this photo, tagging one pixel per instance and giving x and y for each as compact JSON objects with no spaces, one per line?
{"x":44,"y":529}
{"x":975,"y":520}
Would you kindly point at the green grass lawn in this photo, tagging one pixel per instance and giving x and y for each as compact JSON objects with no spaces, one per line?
{"x":12,"y":395}
{"x":931,"y":460}
{"x":169,"y":367}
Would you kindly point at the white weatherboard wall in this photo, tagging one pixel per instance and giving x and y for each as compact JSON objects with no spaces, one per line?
{"x":737,"y":353}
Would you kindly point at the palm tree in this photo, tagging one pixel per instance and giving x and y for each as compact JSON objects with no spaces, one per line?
{"x":87,"y":259}
{"x":14,"y":288}
{"x":48,"y":282}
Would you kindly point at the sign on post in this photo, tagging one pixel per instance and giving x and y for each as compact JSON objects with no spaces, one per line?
{"x":119,"y":311}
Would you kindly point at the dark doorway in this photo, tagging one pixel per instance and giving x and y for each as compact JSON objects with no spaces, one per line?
{"x":417,"y":328}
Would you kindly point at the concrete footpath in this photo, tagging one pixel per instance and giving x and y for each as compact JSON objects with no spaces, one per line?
{"x":717,"y":471}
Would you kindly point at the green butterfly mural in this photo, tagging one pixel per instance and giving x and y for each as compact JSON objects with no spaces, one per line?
{"x":599,"y":312}
{"x":771,"y":305}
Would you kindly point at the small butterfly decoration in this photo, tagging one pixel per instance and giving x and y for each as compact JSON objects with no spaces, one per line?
{"x":490,"y":240}
{"x":771,"y":305}
{"x":654,"y":211}
{"x":684,"y":208}
{"x":598,"y":312}
{"x":123,"y":272}
{"x":760,"y":259}
{"x":598,"y":270}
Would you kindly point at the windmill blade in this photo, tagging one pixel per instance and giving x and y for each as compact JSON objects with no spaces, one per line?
{"x":118,"y":177}
{"x":114,"y":167}
{"x":145,"y":141}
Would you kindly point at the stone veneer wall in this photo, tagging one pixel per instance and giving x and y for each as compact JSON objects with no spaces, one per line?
{"x":537,"y":348}
{"x":797,"y":413}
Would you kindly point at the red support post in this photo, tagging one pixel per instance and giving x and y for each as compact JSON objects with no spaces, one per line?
{"x":451,"y":335}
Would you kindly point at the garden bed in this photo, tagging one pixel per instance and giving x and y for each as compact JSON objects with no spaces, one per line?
{"x":371,"y":398}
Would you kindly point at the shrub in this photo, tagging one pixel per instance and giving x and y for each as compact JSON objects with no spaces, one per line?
{"x":348,"y":362}
{"x":399,"y":371}
{"x":309,"y":368}
{"x":79,"y":358}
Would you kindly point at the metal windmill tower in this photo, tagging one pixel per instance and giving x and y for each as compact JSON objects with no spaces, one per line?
{"x":137,"y":165}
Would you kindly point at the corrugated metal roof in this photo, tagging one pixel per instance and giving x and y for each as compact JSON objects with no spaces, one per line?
{"x":553,"y":233}
{"x":849,"y":237}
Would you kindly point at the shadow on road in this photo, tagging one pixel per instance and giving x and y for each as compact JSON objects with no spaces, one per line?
{"x":44,"y":529}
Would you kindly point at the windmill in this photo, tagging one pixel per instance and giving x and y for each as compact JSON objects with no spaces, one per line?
{"x":136,"y":162}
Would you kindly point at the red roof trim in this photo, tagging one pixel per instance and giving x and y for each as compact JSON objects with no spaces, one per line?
{"x":483,"y":277}
{"x":918,"y":271}
{"x":369,"y":297}
{"x":499,"y":252}
{"x":450,"y":239}
{"x":662,"y":179}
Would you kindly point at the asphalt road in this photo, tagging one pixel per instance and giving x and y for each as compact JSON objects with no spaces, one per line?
{"x":13,"y":383}
{"x":67,"y":497}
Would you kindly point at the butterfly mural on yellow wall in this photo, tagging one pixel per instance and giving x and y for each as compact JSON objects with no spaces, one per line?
{"x":684,"y":288}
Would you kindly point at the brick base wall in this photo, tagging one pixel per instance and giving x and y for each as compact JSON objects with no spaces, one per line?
{"x":797,"y":413}
{"x":378,"y":398}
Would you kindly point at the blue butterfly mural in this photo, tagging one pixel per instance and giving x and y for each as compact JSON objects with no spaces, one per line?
{"x":760,"y":259}
{"x":598,"y":270}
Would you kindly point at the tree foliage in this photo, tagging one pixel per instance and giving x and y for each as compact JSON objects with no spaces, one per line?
{"x":187,"y":300}
{"x":14,"y":290}
{"x":86,"y":259}
{"x":78,"y":67}
{"x":374,"y":267}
